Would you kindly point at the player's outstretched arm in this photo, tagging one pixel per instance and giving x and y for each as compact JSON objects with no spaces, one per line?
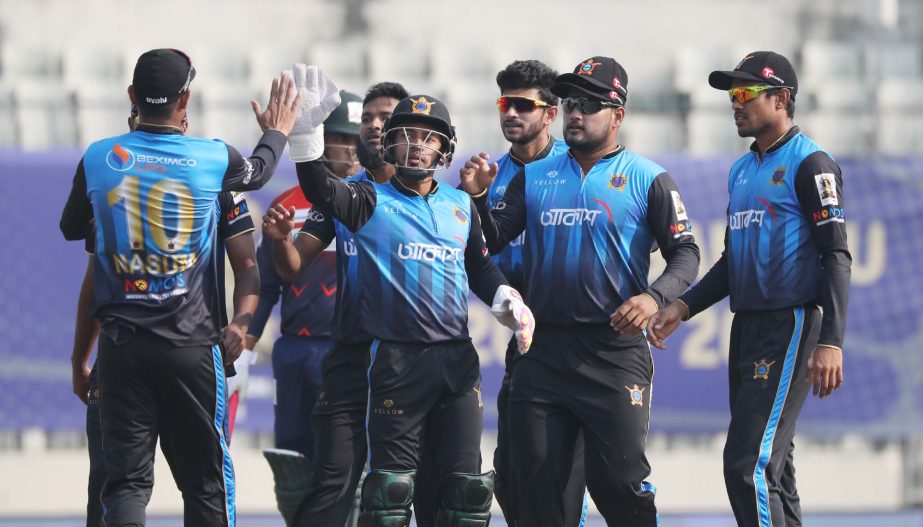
{"x":276,"y":121}
{"x":86,"y":331}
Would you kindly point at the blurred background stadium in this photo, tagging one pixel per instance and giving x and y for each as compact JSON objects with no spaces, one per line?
{"x":65,"y":65}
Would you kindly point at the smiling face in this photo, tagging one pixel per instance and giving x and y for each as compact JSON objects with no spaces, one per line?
{"x":415,"y":145}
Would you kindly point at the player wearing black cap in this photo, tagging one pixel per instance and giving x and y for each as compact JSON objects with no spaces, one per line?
{"x":152,"y":195}
{"x":591,"y":218}
{"x":786,"y":268}
{"x":418,"y":245}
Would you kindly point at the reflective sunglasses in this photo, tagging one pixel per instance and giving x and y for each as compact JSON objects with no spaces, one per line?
{"x":748,"y":93}
{"x":586,"y":104}
{"x":190,"y":74}
{"x":522,"y":104}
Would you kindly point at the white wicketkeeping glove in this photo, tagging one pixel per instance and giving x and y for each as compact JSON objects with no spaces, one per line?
{"x":238,"y":383}
{"x":319,"y":97}
{"x":513,"y":313}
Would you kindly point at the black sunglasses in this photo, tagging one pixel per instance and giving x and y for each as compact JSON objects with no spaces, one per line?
{"x":586,"y":104}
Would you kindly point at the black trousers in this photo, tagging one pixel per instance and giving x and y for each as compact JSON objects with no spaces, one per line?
{"x":504,"y":490}
{"x":767,"y":369}
{"x":425,"y":394}
{"x":149,"y":388}
{"x":340,"y":448}
{"x":95,"y":447}
{"x":586,"y":378}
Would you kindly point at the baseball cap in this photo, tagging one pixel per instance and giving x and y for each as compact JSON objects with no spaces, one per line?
{"x":345,"y":118}
{"x":599,"y":77}
{"x":765,"y":67}
{"x":162,"y":75}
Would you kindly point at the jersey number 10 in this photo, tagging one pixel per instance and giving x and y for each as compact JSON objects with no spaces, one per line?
{"x":128,"y":191}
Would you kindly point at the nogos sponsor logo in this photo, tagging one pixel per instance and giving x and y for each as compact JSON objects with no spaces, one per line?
{"x":155,"y":287}
{"x":428,"y":252}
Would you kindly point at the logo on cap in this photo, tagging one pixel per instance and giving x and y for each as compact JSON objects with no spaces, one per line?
{"x":120,"y":159}
{"x":586,"y":67}
{"x":616,"y":83}
{"x":768,"y":72}
{"x":422,"y":105}
{"x":741,"y":63}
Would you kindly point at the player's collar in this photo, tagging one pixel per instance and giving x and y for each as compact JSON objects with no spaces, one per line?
{"x":779,"y":143}
{"x":540,"y":155}
{"x":162,"y":129}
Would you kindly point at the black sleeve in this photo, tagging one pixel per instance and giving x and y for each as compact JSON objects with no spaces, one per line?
{"x":253,"y":172}
{"x":319,"y":225}
{"x":507,"y":220}
{"x":235,"y":215}
{"x":819,"y":187}
{"x":669,"y":222}
{"x":352,"y":203}
{"x":483,"y":276}
{"x":77,"y":217}
{"x":713,"y":287}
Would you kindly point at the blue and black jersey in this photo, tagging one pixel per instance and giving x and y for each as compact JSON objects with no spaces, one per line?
{"x":346,"y":325}
{"x":154,"y":199}
{"x":589,"y":237}
{"x":785,"y":241}
{"x":509,"y":260}
{"x":417,"y":255}
{"x":308,"y":300}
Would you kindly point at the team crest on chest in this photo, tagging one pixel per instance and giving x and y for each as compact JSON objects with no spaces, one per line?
{"x":636,"y":394}
{"x":460,"y":215}
{"x":618,"y":181}
{"x":422,"y":105}
{"x":761,"y":369}
{"x":778,"y":176}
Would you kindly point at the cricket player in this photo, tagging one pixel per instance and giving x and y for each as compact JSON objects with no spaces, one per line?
{"x":786,"y":267}
{"x":153,"y":196}
{"x":234,"y":228}
{"x":527,"y":109}
{"x":419,"y":244}
{"x":591,"y":217}
{"x":338,"y":420}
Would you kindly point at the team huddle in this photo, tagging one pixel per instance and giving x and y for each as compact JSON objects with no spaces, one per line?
{"x":378,"y":408}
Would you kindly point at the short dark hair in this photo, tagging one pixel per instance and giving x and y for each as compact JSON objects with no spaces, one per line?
{"x":156,"y":111}
{"x":524,"y":74}
{"x":394,"y":90}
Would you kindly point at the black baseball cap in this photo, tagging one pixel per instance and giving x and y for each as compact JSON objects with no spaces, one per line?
{"x":766,"y":67}
{"x":346,"y":117}
{"x":599,"y":77}
{"x":162,"y":75}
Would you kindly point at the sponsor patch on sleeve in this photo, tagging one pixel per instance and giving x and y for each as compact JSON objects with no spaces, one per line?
{"x":678,"y":206}
{"x":826,"y":189}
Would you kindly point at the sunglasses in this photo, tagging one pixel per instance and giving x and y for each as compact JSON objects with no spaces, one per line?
{"x":586,"y":104}
{"x":748,"y":93}
{"x":522,"y":104}
{"x":190,"y":74}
